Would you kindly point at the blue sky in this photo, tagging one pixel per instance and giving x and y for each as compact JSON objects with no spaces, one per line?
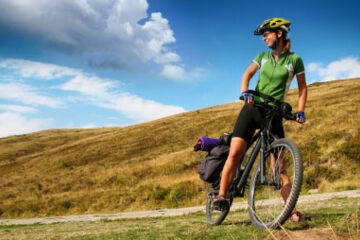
{"x":83,"y":63}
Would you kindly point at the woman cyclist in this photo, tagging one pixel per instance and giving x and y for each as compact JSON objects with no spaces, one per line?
{"x":277,"y":69}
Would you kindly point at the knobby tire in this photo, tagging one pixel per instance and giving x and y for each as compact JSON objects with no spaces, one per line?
{"x":267,"y":209}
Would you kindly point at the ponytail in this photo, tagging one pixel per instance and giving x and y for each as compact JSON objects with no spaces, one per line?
{"x":287,"y":44}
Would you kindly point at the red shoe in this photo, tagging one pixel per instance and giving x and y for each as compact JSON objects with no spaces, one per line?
{"x":296,"y":216}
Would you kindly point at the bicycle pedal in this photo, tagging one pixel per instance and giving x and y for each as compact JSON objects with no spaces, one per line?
{"x":220,"y":208}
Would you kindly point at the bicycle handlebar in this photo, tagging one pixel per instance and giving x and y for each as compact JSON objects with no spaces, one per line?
{"x":282,"y":108}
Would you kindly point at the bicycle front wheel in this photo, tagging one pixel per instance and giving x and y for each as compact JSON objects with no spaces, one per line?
{"x":272,"y":200}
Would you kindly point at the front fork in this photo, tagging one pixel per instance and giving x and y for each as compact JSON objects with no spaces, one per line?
{"x":276,"y":182}
{"x":262,"y":160}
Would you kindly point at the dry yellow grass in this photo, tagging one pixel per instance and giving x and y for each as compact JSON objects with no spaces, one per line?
{"x":152,"y":165}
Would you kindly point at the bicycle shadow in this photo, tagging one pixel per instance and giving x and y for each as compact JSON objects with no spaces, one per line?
{"x":318,"y":228}
{"x":244,"y":223}
{"x":316,"y":220}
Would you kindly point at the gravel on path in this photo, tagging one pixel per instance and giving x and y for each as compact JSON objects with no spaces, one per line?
{"x":165,"y":212}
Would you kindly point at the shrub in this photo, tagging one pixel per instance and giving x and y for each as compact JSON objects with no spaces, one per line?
{"x":15,"y":211}
{"x":66,"y":204}
{"x":181,"y":193}
{"x":316,"y":175}
{"x":352,"y":148}
{"x":32,"y":208}
{"x":160,"y":193}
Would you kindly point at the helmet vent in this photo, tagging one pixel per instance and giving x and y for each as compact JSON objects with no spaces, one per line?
{"x":273,"y":24}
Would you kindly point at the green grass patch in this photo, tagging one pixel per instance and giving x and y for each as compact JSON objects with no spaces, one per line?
{"x":339,"y":216}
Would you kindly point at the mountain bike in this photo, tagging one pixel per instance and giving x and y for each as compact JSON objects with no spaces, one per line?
{"x":268,"y":186}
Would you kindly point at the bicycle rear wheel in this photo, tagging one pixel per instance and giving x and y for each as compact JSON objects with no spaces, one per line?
{"x":283,"y":179}
{"x":216,"y":216}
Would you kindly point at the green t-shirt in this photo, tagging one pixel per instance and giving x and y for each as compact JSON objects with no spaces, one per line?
{"x":275,"y":78}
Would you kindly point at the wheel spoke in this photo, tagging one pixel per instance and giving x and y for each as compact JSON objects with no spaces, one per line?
{"x":272,"y":201}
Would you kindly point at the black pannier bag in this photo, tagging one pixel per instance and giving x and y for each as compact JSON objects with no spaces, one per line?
{"x":212,"y":165}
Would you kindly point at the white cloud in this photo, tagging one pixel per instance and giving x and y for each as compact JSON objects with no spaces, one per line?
{"x":174,"y":72}
{"x":88,"y":85}
{"x":27,"y":95}
{"x":159,"y":34}
{"x":93,"y":90}
{"x":132,"y":106}
{"x":138,"y":108}
{"x":17,"y":108}
{"x":14,"y":123}
{"x":107,"y":29}
{"x":348,"y":67}
{"x":89,"y":125}
{"x":28,"y":69}
{"x":197,"y":73}
{"x":168,"y":58}
{"x":178,"y":73}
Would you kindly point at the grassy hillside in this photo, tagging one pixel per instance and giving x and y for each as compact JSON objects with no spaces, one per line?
{"x":152,"y":165}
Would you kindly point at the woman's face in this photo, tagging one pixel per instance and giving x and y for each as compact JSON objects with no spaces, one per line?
{"x":269,"y":38}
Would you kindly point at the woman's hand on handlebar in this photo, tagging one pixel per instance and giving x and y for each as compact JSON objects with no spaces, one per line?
{"x":300,"y":117}
{"x":248,"y":98}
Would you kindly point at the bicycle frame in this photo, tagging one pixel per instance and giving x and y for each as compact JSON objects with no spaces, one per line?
{"x":263,"y":137}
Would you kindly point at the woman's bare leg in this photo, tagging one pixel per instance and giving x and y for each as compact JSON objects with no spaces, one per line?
{"x":286,"y":188}
{"x":237,"y":149}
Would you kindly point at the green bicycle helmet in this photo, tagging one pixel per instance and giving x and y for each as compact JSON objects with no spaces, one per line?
{"x":273,"y":24}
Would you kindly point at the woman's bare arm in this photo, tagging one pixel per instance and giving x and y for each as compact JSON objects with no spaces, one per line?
{"x":302,"y":91}
{"x":247,"y":76}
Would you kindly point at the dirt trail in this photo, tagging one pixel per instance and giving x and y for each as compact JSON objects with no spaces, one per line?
{"x":316,"y":233}
{"x":303,"y":200}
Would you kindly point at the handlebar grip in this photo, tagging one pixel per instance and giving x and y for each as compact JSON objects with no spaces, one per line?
{"x":291,"y":117}
{"x":287,"y":116}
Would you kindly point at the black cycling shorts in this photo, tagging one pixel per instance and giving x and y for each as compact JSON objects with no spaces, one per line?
{"x":252,"y":118}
